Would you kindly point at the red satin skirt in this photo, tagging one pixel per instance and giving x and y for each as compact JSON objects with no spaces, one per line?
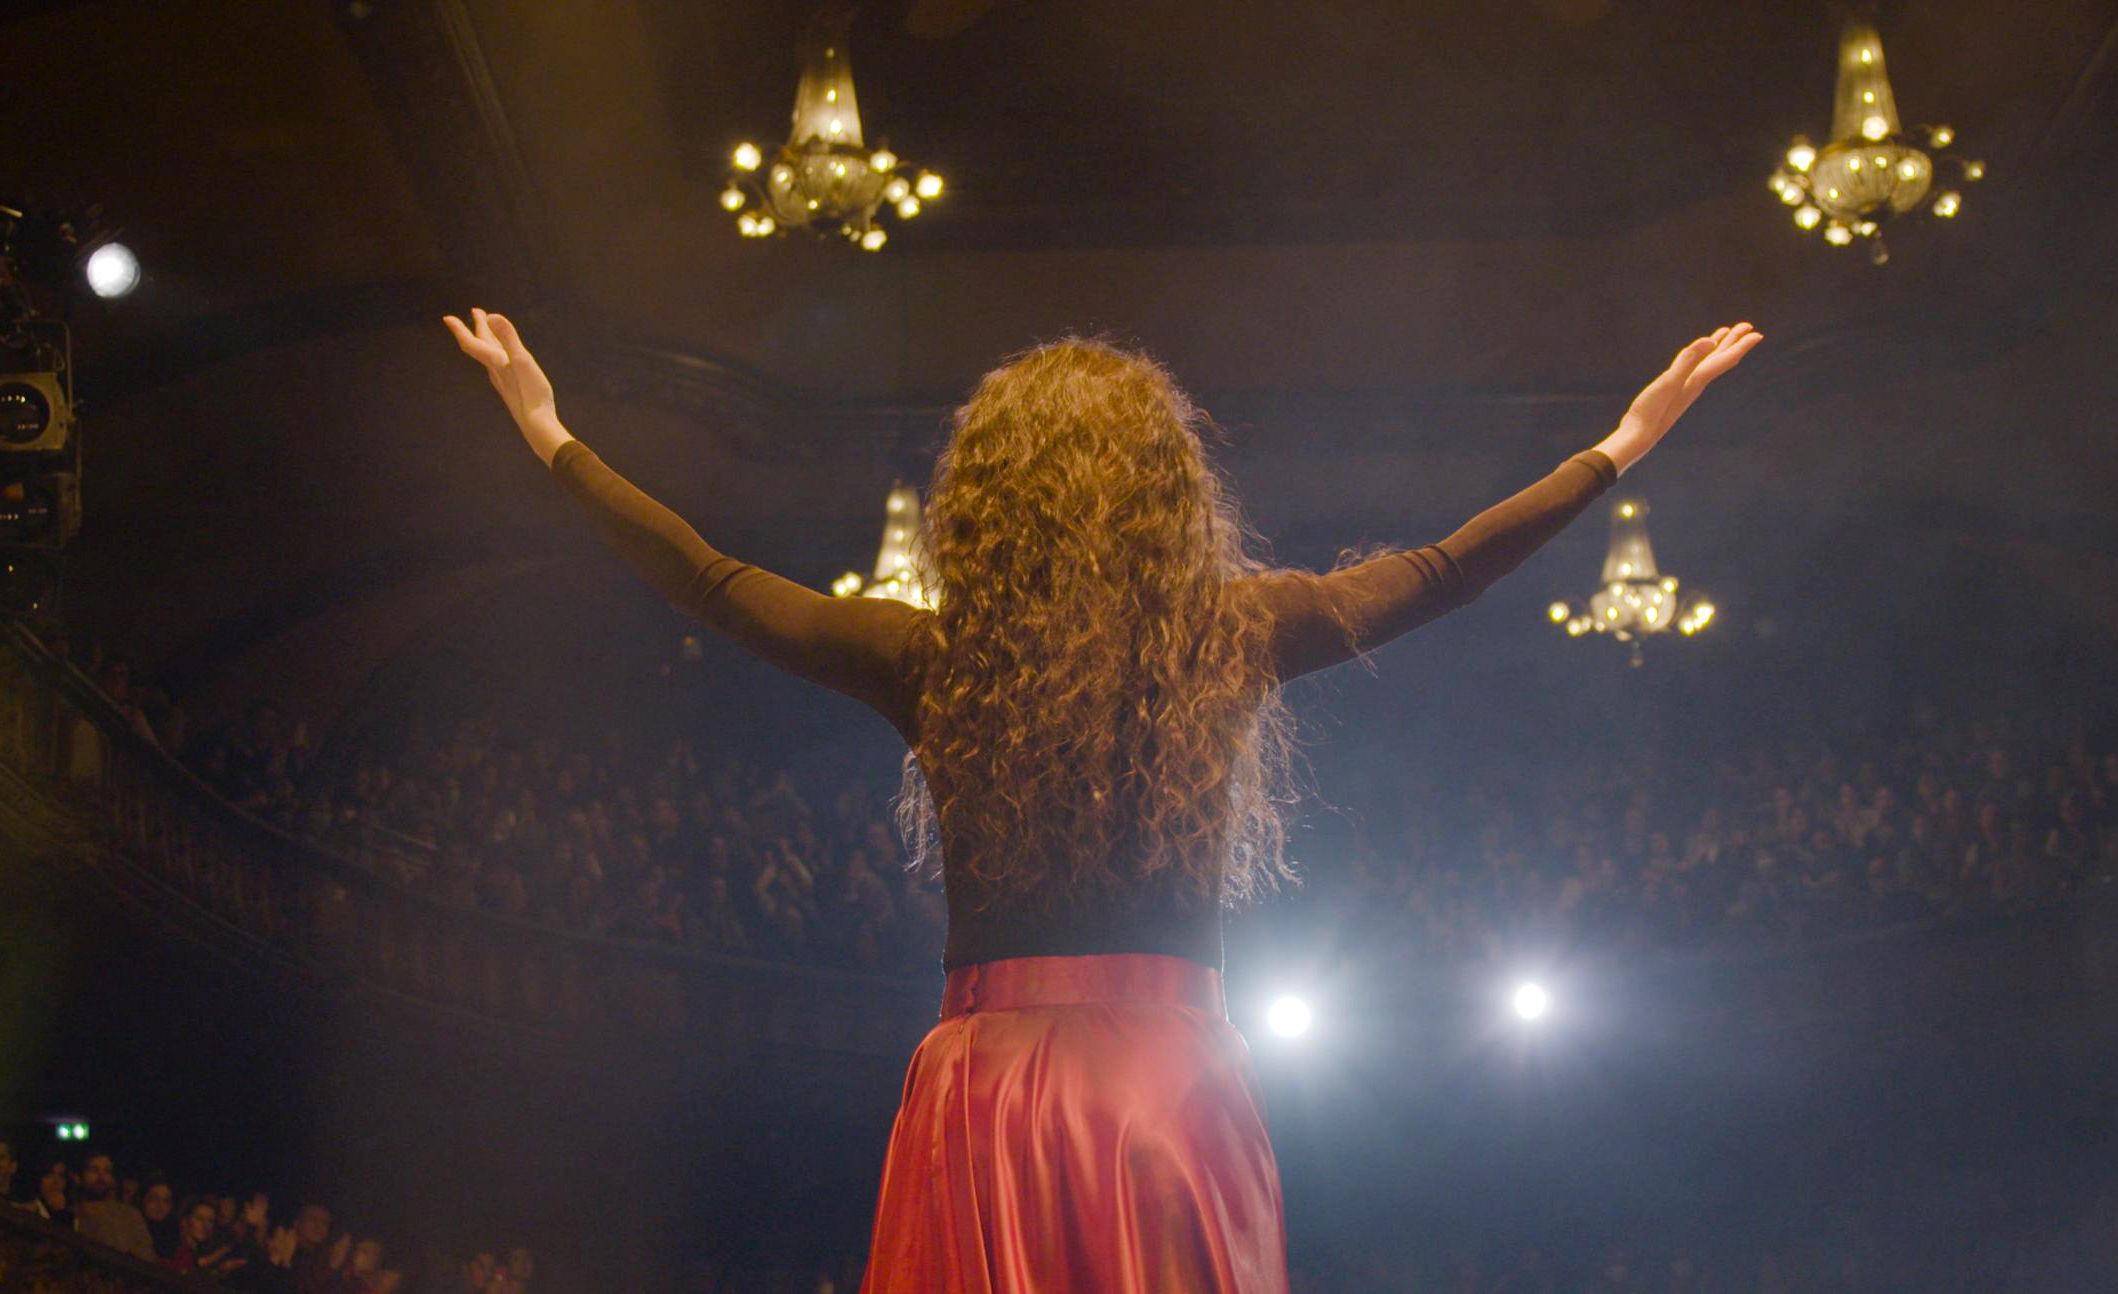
{"x":1080,"y":1124}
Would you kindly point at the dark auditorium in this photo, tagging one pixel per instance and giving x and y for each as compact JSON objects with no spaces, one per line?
{"x":982,"y":647}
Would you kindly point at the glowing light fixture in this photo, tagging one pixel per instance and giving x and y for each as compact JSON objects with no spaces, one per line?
{"x":1531,"y":1001}
{"x":1289,"y":1016}
{"x":1636,"y":599}
{"x":1870,"y":170}
{"x":900,"y":565}
{"x":112,"y":270}
{"x":824,"y":178}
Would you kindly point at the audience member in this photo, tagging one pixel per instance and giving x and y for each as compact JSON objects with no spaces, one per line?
{"x":104,"y":1218}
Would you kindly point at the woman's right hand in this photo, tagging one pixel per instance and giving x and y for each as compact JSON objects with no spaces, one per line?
{"x":515,"y":374}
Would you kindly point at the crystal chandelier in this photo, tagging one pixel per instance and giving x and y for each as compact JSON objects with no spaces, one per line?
{"x":824,"y":178}
{"x":1870,"y":170}
{"x":1636,"y":599}
{"x":900,"y":565}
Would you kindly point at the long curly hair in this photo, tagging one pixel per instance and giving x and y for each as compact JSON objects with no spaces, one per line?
{"x":1098,"y":706}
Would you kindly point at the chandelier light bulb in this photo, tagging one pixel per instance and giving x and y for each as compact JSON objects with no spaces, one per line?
{"x":1974,"y":170}
{"x":901,"y":571}
{"x":1869,"y":170}
{"x":929,"y":186}
{"x":1948,"y":204}
{"x":765,"y":226}
{"x":908,"y":208}
{"x":825,"y":178}
{"x":1636,"y":600}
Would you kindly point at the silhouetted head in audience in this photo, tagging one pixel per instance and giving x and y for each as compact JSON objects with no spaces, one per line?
{"x":158,"y":1201}
{"x":200,"y":1218}
{"x":312,"y":1226}
{"x":99,"y":1178}
{"x":367,"y":1257}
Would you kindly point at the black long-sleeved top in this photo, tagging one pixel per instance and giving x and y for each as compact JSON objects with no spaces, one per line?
{"x":860,"y":646}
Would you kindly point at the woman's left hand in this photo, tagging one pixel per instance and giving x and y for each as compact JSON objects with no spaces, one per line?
{"x":515,"y":374}
{"x":1656,"y":409}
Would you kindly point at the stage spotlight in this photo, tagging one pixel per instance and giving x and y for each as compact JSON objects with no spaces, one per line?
{"x":113,"y":270}
{"x":1288,"y":1016}
{"x":1531,"y":1001}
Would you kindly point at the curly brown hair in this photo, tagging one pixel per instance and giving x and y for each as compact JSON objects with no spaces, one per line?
{"x":1099,"y":706}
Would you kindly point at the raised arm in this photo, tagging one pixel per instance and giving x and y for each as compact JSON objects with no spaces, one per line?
{"x":1321,"y":620}
{"x":857,"y":646}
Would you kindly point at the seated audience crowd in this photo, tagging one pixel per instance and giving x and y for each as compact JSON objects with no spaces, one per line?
{"x":234,"y":1241}
{"x":643,"y":833}
{"x":650,"y":838}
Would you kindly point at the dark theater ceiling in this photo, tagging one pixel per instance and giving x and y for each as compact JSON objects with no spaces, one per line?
{"x":275,"y":160}
{"x":1099,"y":122}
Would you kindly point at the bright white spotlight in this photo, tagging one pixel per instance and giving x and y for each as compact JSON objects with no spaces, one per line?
{"x":1531,"y":1001}
{"x":113,"y":270}
{"x":1288,"y":1016}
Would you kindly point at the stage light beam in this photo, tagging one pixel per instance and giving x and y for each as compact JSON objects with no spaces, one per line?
{"x":1531,"y":1001}
{"x":112,"y":270}
{"x":1288,"y":1016}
